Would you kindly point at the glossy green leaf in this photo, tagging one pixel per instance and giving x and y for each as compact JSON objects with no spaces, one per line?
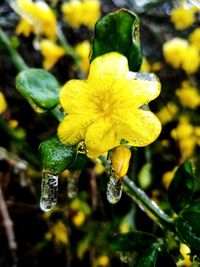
{"x":188,"y":225}
{"x":39,"y":88}
{"x":132,"y":241}
{"x":56,"y":156}
{"x":182,"y":187}
{"x":118,"y":32}
{"x":148,"y":257}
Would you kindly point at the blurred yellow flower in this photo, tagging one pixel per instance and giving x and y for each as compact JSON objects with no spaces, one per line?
{"x":184,"y":134}
{"x":106,"y":108}
{"x":156,"y":66}
{"x":182,"y":18}
{"x":24,"y":28}
{"x":78,"y":218}
{"x":167,"y":113}
{"x":85,"y":12}
{"x":3,"y":104}
{"x":195,"y":38}
{"x":146,"y":66}
{"x":167,"y":177}
{"x":188,"y":95}
{"x":59,"y":233}
{"x":102,"y":261}
{"x":179,"y":54}
{"x":83,"y":51}
{"x":174,"y":51}
{"x":51,"y":53}
{"x":98,"y":168}
{"x":13,"y":123}
{"x":191,"y":60}
{"x":185,"y":252}
{"x":38,"y":15}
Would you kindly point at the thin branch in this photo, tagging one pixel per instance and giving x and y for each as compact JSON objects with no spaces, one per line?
{"x":8,"y":226}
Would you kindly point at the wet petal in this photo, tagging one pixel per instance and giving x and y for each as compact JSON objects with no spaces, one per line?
{"x":143,"y":90}
{"x":108,"y":68}
{"x":73,"y":128}
{"x":73,"y":97}
{"x":101,"y":137}
{"x":139,"y":128}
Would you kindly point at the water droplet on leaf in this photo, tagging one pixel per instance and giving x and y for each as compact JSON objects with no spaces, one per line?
{"x":49,"y":191}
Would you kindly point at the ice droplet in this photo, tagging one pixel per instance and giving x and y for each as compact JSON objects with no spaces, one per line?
{"x":114,"y":189}
{"x":49,"y":191}
{"x":72,"y":185}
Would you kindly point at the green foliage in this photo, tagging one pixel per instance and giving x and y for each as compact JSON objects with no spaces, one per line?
{"x":56,"y":157}
{"x":182,"y":187}
{"x":148,"y":257}
{"x":39,"y":88}
{"x":187,"y":225}
{"x":118,"y":32}
{"x":132,"y":241}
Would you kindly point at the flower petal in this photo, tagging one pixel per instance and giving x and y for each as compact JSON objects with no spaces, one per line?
{"x":73,"y":128}
{"x":73,"y":97}
{"x":101,"y":137}
{"x":139,"y":128}
{"x":143,"y":90}
{"x":108,"y":68}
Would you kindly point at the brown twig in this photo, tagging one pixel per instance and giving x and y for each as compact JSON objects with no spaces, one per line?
{"x":8,"y":226}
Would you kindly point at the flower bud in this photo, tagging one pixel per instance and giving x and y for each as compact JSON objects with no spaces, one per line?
{"x":120,"y":160}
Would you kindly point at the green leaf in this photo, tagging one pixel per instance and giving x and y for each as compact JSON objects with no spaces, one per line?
{"x":39,"y":88}
{"x":118,"y":32}
{"x":79,"y":163}
{"x":182,"y":187}
{"x":56,"y":156}
{"x":132,"y":241}
{"x":148,"y":257}
{"x":187,"y":225}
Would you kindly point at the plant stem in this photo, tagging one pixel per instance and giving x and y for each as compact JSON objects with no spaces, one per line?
{"x":15,"y":57}
{"x":145,"y":202}
{"x":57,"y":113}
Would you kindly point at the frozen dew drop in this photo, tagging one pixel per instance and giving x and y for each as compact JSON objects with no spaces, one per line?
{"x":114,"y":189}
{"x":49,"y":191}
{"x":72,"y":185}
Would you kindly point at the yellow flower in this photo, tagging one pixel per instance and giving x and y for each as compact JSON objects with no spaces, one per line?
{"x":182,"y":17}
{"x":184,"y":133}
{"x":188,"y":95}
{"x":39,"y":15}
{"x":106,"y":108}
{"x":174,"y":51}
{"x":167,"y":177}
{"x":60,"y":233}
{"x":195,"y":38}
{"x":191,"y":60}
{"x":3,"y":104}
{"x":85,"y":12}
{"x":79,"y":218}
{"x":145,"y":67}
{"x":83,"y":51}
{"x":25,"y":28}
{"x":185,"y":252}
{"x":102,"y":261}
{"x":167,"y":113}
{"x":51,"y":53}
{"x":120,"y":160}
